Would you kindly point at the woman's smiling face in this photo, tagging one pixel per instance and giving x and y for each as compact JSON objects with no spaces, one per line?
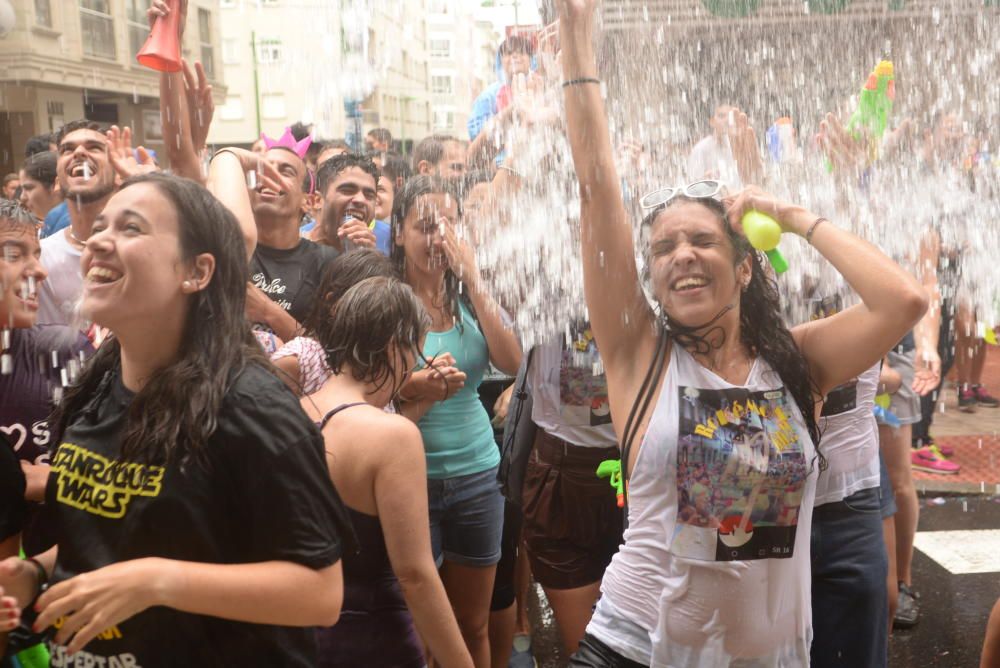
{"x":132,"y":262}
{"x":692,"y":261}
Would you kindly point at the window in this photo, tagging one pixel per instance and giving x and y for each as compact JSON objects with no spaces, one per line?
{"x":230,"y":52}
{"x":440,"y":48}
{"x":441,"y":85}
{"x":138,"y":28}
{"x":227,"y":3}
{"x":98,"y":29}
{"x":269,"y":51}
{"x":205,"y":41}
{"x":272,"y":105}
{"x":444,"y":120}
{"x":233,"y":109}
{"x":43,"y":13}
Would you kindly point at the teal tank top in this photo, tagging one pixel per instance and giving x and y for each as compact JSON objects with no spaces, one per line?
{"x":458,"y":436}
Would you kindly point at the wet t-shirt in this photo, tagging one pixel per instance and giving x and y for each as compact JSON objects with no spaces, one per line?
{"x":43,"y":360}
{"x":262,"y":494}
{"x":715,"y":566}
{"x":290,"y":277}
{"x":570,"y":390}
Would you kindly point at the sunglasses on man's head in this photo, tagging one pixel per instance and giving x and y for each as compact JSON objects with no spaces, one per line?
{"x":707,"y":189}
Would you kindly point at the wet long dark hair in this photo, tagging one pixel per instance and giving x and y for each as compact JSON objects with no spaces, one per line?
{"x":762,"y":329}
{"x":406,"y":199}
{"x":175,"y":414}
{"x":339,"y":276}
{"x":367,"y":320}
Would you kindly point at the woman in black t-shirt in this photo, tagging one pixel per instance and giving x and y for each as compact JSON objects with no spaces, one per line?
{"x":196,"y":520}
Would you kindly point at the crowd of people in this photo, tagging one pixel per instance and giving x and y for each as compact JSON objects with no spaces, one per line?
{"x":267,"y":407}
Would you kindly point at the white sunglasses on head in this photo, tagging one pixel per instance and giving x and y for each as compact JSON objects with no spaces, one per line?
{"x":707,"y":189}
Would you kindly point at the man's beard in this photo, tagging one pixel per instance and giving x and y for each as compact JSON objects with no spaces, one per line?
{"x":91,"y":194}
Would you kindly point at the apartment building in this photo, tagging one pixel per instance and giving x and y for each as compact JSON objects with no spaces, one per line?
{"x":312,"y":60}
{"x":462,"y":52}
{"x":66,"y":60}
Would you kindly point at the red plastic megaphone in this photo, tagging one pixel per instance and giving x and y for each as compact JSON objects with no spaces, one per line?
{"x":162,"y":50}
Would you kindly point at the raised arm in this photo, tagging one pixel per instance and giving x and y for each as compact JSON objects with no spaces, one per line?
{"x":175,"y":111}
{"x":401,"y":499}
{"x":620,"y":315}
{"x":927,"y":362}
{"x":843,"y":346}
{"x":505,"y":349}
{"x":227,"y":180}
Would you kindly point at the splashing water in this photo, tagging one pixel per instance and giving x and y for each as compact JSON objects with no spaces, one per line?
{"x":666,"y":71}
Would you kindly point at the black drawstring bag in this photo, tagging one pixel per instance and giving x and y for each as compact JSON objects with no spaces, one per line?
{"x":518,"y":437}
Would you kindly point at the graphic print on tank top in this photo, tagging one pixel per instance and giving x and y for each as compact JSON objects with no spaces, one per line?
{"x":741,"y":474}
{"x":583,"y":387}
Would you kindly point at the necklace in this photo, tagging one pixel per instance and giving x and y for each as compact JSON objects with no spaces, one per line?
{"x":73,"y":237}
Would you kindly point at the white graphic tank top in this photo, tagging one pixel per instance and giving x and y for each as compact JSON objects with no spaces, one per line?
{"x":715,"y":566}
{"x":849,"y":439}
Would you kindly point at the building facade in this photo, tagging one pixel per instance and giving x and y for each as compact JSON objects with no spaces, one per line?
{"x":302,"y":60}
{"x":462,"y":52}
{"x":66,"y":60}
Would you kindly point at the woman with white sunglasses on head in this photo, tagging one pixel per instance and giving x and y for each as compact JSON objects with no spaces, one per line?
{"x":715,"y":566}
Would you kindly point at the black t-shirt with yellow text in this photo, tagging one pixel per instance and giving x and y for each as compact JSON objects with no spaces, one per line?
{"x":263,"y":494}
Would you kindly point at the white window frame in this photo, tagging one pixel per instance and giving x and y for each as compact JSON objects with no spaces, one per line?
{"x":232,"y":110}
{"x":436,"y":90}
{"x":269,"y":51}
{"x":107,"y":17}
{"x":47,"y":11}
{"x":273,"y":114}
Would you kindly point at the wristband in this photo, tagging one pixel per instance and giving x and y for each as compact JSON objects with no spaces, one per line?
{"x":580,"y":81}
{"x":43,"y":575}
{"x":812,"y":228}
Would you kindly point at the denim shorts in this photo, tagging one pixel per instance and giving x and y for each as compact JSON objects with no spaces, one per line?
{"x":886,"y":496}
{"x":466,"y":518}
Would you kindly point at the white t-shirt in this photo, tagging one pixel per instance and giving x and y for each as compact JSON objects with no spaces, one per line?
{"x":849,"y":439}
{"x":569,"y":392}
{"x":711,"y":160}
{"x":60,"y":292}
{"x":715,"y":567}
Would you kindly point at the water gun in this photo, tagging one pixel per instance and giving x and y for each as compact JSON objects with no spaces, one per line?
{"x":874,"y":106}
{"x":36,"y":656}
{"x":612,"y":469}
{"x":987,"y":334}
{"x":882,"y":413}
{"x":764,"y":233}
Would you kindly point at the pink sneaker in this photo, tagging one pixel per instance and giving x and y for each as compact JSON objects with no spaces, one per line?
{"x":943,"y":450}
{"x":929,"y":459}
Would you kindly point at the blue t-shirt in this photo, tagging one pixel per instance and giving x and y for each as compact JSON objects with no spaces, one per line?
{"x":383,"y":237}
{"x":483,"y":109}
{"x":458,"y":436}
{"x":55,"y":220}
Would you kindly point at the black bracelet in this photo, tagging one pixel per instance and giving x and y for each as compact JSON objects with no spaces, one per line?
{"x":43,"y":575}
{"x":812,"y":228}
{"x":583,"y":80}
